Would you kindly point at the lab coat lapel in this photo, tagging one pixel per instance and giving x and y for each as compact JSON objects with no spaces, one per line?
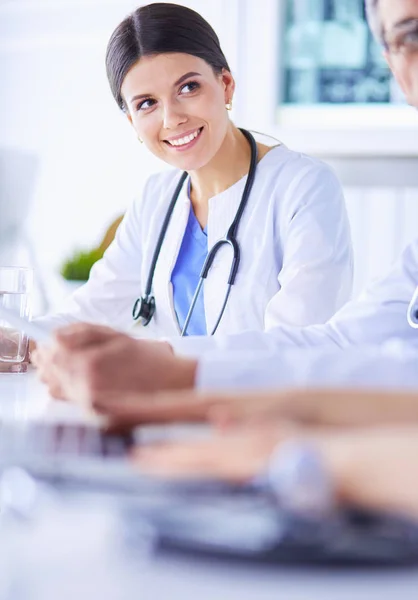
{"x":163,"y":289}
{"x":222,"y":211}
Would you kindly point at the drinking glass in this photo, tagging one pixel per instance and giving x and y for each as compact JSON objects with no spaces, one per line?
{"x":15,"y":294}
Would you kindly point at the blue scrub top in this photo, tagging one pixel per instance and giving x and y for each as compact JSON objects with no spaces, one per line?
{"x":185,"y":276}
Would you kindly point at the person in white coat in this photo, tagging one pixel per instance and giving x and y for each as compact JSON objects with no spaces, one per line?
{"x":369,"y":342}
{"x":169,"y":75}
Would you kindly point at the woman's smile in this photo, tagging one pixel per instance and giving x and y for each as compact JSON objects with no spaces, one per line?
{"x":184,"y":142}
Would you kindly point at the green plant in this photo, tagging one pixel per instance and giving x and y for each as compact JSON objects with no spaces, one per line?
{"x":78,"y":267}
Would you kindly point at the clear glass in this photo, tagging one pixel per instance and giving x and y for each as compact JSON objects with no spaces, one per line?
{"x":15,"y":294}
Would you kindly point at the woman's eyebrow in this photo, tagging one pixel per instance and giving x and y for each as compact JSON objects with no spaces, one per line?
{"x":139,"y":97}
{"x":401,"y":24}
{"x":176,"y":83}
{"x":186,"y":76}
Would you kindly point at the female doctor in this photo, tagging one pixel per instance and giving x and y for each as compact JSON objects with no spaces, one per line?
{"x":276,"y":218}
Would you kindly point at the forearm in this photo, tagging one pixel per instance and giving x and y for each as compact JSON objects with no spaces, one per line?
{"x":344,"y":407}
{"x":374,"y":469}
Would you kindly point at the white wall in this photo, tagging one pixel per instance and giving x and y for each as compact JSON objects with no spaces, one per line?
{"x":55,"y":102}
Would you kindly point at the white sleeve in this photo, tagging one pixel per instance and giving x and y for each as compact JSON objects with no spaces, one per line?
{"x":317,"y":270}
{"x":392,"y":366}
{"x":380,"y":314}
{"x":108,"y":296}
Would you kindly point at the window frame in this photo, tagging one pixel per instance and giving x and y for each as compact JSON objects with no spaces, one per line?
{"x":351,"y":130}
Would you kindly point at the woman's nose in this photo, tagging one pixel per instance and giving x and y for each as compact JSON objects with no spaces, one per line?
{"x":173,"y":117}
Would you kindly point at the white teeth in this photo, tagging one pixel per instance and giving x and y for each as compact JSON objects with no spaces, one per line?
{"x":185,"y":140}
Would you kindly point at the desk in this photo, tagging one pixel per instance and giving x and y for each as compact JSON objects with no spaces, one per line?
{"x":167,"y":576}
{"x":23,"y":397}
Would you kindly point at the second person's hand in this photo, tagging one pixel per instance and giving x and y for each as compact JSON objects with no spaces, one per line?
{"x":89,"y":361}
{"x":324,"y":407}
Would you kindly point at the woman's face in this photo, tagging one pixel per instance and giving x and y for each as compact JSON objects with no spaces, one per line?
{"x":176,"y":104}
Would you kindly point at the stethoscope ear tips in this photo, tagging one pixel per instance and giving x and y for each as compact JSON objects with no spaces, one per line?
{"x":144,"y":309}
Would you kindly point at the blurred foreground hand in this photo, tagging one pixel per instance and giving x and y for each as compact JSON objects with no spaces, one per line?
{"x":373,"y":468}
{"x":331,"y":408}
{"x":85,"y":361}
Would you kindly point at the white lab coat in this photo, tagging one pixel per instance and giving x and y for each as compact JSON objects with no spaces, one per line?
{"x":368,"y":342}
{"x":296,"y":258}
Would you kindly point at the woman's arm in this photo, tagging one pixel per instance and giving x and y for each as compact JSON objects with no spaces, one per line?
{"x":317,"y":270}
{"x":316,"y":407}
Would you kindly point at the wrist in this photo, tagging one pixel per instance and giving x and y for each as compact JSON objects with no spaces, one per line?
{"x":183,"y":376}
{"x":341,"y":461}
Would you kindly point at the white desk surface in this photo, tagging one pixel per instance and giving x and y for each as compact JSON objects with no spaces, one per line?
{"x":179,"y":578}
{"x":23,"y":397}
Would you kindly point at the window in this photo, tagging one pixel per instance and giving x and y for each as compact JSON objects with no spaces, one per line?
{"x":330,"y":56}
{"x":325,"y":93}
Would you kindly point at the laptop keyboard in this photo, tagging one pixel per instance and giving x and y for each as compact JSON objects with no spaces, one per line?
{"x":43,"y":440}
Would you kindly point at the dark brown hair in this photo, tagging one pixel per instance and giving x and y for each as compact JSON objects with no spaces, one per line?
{"x":156,"y":29}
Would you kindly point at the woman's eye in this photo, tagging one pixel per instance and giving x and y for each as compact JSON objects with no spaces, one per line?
{"x":148,"y":103}
{"x":411,"y":38}
{"x":189,"y":87}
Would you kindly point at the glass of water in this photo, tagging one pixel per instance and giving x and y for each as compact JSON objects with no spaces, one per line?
{"x":15,"y":294}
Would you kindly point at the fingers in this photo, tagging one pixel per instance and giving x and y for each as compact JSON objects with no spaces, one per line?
{"x":235,"y":456}
{"x":80,"y":335}
{"x":200,"y":460}
{"x":41,"y":358}
{"x":134,"y":409}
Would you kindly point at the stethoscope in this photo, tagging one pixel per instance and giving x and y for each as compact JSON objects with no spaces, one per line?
{"x":412,"y":314}
{"x":144,"y":307}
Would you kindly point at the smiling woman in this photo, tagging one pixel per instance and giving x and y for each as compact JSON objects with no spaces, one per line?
{"x":172,"y":118}
{"x":281,"y":213}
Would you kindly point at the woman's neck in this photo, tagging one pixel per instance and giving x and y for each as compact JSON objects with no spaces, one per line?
{"x":228,"y":166}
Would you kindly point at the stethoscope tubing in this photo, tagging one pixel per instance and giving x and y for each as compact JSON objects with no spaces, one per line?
{"x":230,"y":239}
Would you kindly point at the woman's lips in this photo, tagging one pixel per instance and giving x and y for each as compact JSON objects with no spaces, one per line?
{"x":186,"y":146}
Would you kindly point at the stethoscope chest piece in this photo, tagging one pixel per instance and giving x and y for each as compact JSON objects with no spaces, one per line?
{"x":144,"y":309}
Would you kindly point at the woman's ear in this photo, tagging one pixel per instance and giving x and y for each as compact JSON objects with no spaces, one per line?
{"x":229,"y":85}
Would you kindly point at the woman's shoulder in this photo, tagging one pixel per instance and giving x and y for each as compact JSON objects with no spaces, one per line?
{"x":162,"y":181}
{"x":281,"y":158}
{"x":293,"y":175}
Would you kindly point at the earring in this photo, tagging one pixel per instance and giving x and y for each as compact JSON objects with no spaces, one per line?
{"x":228,"y":105}
{"x":140,"y":141}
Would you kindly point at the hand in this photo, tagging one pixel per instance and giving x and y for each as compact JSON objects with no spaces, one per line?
{"x":372,"y":468}
{"x":332,"y":408}
{"x":90,"y":360}
{"x":41,"y":358}
{"x":235,"y":456}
